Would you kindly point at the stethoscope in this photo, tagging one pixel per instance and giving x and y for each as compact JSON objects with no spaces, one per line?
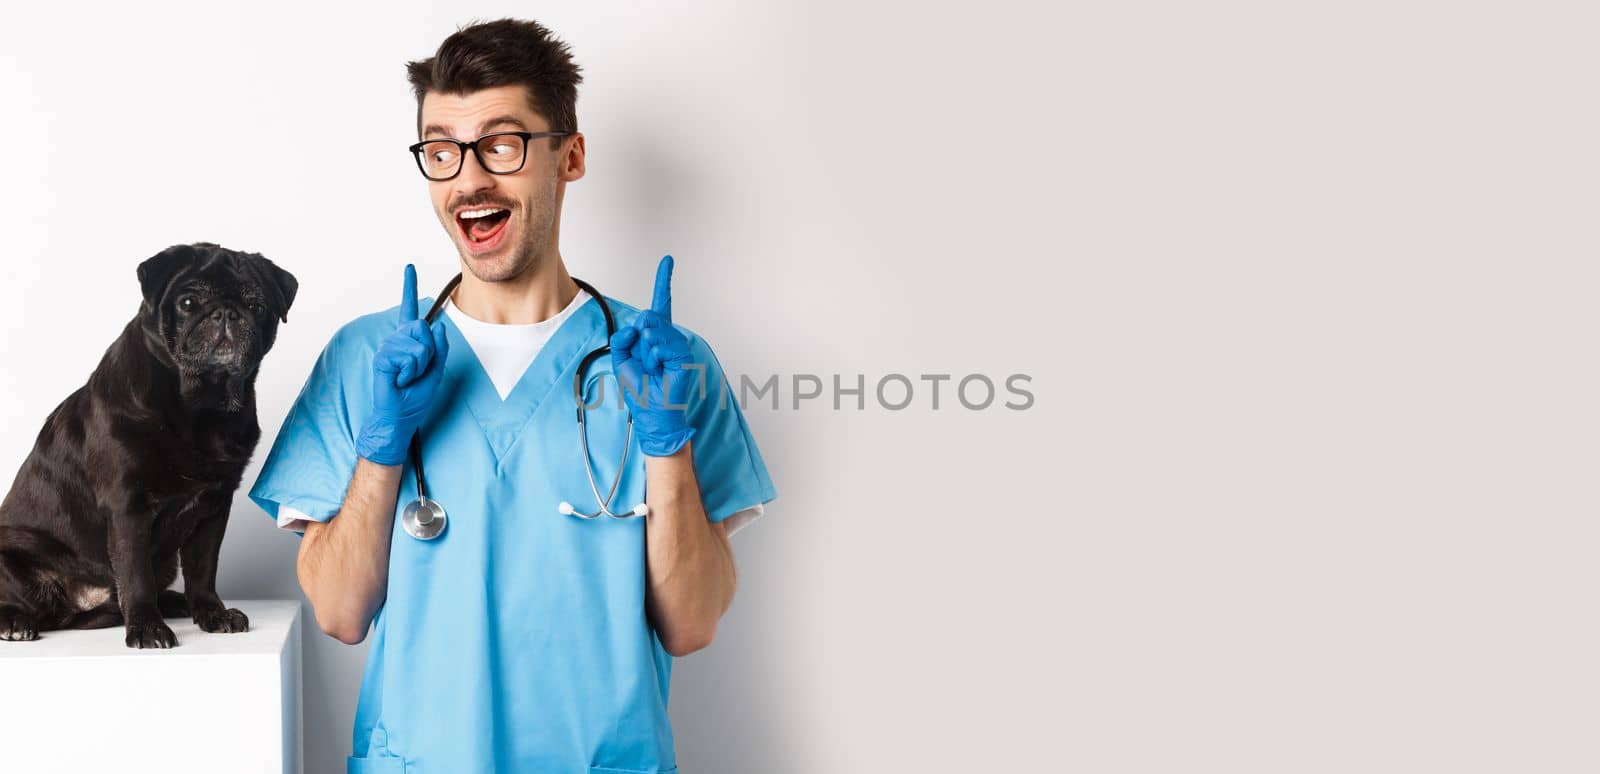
{"x":424,"y":518}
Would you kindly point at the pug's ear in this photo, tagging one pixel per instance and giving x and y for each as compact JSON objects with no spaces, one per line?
{"x":282,"y":283}
{"x":156,"y":271}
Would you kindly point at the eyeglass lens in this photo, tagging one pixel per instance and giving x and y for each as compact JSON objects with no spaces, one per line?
{"x":497,"y":153}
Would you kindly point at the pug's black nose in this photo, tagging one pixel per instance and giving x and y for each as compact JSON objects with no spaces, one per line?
{"x":233,"y":315}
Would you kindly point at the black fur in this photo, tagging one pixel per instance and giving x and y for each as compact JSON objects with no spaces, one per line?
{"x":137,"y":469}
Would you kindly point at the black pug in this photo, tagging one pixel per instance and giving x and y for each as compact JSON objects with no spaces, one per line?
{"x":137,"y":468}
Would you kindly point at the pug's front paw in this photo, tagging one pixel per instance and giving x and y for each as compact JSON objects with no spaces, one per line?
{"x":150,"y":632}
{"x":216,"y":619}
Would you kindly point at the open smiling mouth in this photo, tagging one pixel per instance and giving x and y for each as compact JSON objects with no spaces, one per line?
{"x":483,"y":227}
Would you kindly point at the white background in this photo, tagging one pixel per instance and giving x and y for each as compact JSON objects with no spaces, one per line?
{"x":1307,"y":294}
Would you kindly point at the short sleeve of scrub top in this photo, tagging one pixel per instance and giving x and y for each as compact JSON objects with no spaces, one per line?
{"x":732,"y":476}
{"x":314,"y":455}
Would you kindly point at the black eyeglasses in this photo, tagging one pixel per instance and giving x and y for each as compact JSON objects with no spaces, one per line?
{"x":501,"y":153}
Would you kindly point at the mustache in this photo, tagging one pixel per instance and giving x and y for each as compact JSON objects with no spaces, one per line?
{"x":473,"y":202}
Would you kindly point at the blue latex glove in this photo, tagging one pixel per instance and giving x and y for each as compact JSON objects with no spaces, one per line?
{"x":405,"y":375}
{"x":648,"y":358}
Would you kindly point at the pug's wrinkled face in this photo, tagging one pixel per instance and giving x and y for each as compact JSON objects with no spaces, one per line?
{"x":215,"y":310}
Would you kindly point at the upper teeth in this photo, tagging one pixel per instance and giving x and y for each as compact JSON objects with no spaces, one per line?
{"x":470,"y":214}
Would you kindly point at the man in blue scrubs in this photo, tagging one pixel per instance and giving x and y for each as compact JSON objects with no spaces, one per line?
{"x":523,"y":638}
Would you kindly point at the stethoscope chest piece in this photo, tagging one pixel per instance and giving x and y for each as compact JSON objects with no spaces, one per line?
{"x":423,"y":519}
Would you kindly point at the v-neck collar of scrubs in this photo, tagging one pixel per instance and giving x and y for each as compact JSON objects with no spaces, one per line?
{"x":503,"y":421}
{"x":505,"y":350}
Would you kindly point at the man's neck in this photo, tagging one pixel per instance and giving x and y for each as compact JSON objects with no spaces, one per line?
{"x":537,"y":295}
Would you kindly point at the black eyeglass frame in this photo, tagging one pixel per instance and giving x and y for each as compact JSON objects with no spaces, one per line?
{"x":461,"y":160}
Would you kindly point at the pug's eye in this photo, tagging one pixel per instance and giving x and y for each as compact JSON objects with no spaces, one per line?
{"x":187,"y":304}
{"x":254,"y":307}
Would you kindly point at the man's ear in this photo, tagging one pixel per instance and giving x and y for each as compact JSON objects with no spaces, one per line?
{"x":156,"y":271}
{"x":284,"y":283}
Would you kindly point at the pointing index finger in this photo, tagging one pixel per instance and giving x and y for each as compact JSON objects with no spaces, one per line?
{"x":662,"y":303}
{"x":408,"y":295}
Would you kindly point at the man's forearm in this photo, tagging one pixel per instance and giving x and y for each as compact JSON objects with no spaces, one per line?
{"x":344,"y":563}
{"x":690,"y":563}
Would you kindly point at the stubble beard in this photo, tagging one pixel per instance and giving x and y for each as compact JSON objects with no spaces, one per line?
{"x":528,"y":254}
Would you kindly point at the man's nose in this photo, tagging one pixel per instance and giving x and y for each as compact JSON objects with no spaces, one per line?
{"x":472,"y":178}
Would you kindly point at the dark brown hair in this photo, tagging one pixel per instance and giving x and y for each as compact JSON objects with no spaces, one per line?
{"x":505,"y":52}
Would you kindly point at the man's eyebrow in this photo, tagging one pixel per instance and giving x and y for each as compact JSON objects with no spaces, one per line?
{"x":498,"y":120}
{"x":433,"y":129}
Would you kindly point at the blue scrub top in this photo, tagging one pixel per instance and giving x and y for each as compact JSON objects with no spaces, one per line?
{"x":518,"y":640}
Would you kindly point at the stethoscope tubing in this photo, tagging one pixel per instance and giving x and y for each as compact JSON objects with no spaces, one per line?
{"x":416,"y":438}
